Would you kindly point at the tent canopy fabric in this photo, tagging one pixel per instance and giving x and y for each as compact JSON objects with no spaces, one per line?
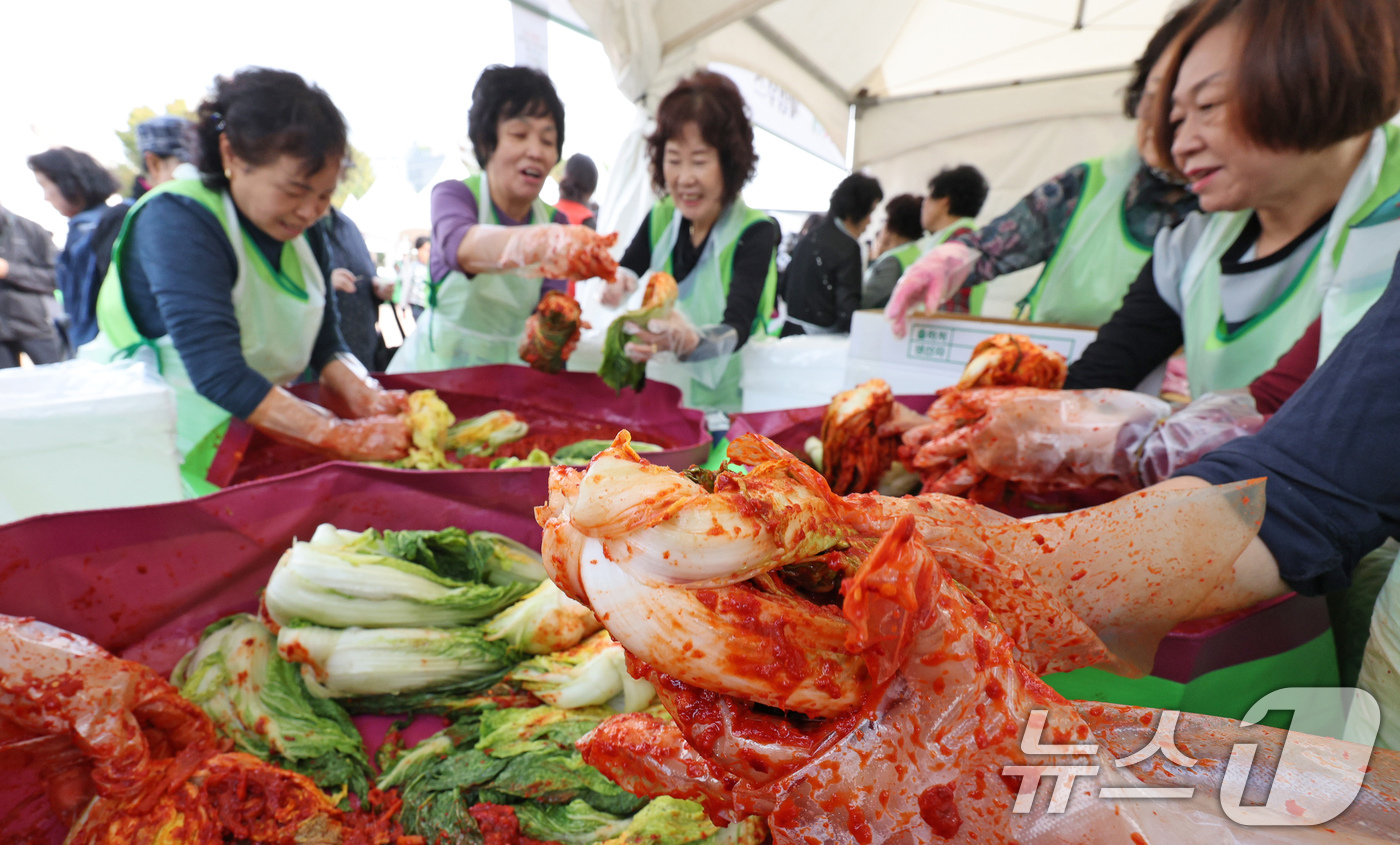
{"x":892,"y":59}
{"x":1021,"y":89}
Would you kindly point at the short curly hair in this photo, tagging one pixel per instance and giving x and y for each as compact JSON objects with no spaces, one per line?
{"x":855,"y":197}
{"x":713,"y":103}
{"x":504,"y":93}
{"x":964,"y":186}
{"x":902,"y":216}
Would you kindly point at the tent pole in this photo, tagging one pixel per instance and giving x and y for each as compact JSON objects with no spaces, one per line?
{"x":1079,"y":15}
{"x":851,"y":139}
{"x":550,"y":16}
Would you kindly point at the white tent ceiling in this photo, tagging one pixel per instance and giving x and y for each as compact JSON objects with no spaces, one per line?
{"x":1020,"y":88}
{"x":879,"y":55}
{"x":946,"y":66}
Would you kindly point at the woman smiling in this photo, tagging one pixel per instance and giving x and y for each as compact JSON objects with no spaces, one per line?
{"x":1277,"y":119}
{"x":493,"y":238}
{"x":720,"y":250}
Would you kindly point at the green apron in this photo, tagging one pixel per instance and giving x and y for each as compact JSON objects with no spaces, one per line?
{"x":476,"y":321}
{"x":279,"y":316}
{"x":710,"y":385}
{"x":1097,"y":258}
{"x":909,"y":253}
{"x":1343,"y":277}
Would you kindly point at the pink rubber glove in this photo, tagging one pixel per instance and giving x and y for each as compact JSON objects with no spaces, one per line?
{"x":937,"y":275}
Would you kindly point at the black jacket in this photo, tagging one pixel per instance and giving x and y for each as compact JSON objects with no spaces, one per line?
{"x":358,"y":310}
{"x":822,"y":283}
{"x":26,"y":293}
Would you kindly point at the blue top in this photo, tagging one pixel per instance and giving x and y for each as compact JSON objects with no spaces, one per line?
{"x":75,"y":273}
{"x":1329,"y":454}
{"x":181,"y":283}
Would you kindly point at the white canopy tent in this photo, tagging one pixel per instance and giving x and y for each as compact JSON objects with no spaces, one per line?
{"x":1019,"y":88}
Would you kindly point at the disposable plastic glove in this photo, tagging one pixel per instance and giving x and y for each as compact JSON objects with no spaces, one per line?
{"x":1203,"y":426}
{"x":616,"y":292}
{"x":104,"y":720}
{"x":927,"y":283}
{"x":674,"y":333}
{"x":384,"y":438}
{"x":288,"y":419}
{"x":1044,"y":440}
{"x":557,"y":251}
{"x":363,"y":397}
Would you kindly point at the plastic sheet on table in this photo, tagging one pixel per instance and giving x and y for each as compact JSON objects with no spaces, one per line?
{"x":563,"y":406}
{"x":143,"y":582}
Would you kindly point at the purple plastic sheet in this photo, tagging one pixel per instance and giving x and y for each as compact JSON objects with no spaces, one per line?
{"x":143,"y":582}
{"x":580,"y":405}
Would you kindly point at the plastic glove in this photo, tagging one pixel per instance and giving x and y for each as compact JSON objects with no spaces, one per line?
{"x":287,"y":419}
{"x":673,"y":333}
{"x":362,"y":396}
{"x":1206,"y":424}
{"x":1045,"y":440}
{"x":556,"y":251}
{"x":105,"y":720}
{"x":384,"y":438}
{"x":616,"y":292}
{"x":929,"y":282}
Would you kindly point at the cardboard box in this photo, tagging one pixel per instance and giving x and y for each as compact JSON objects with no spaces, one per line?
{"x":932,"y":355}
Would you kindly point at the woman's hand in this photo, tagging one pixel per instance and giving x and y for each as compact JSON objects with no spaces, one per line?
{"x":287,"y":419}
{"x":1045,"y":440}
{"x":616,"y":292}
{"x":666,"y":334}
{"x":343,"y":280}
{"x":928,"y":282}
{"x":382,"y":438}
{"x":557,"y":251}
{"x":347,"y":378}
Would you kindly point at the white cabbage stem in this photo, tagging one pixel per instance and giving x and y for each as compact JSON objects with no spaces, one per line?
{"x":364,"y":661}
{"x":544,"y":621}
{"x":664,"y":529}
{"x":733,"y":640}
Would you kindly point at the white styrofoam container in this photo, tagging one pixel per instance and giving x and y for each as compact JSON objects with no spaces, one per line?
{"x":795,"y":372}
{"x":932,"y":355}
{"x":81,"y":435}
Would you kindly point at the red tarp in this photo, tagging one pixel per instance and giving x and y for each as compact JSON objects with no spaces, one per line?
{"x":570,"y":406}
{"x":143,"y":582}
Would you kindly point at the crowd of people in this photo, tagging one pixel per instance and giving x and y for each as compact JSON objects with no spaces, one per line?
{"x":1254,"y":224}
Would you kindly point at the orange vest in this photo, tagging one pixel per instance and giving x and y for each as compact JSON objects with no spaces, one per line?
{"x":576,"y":213}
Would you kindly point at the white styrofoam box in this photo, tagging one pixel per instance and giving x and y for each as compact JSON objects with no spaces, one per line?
{"x":932,"y":355}
{"x":795,"y":372}
{"x":81,"y":435}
